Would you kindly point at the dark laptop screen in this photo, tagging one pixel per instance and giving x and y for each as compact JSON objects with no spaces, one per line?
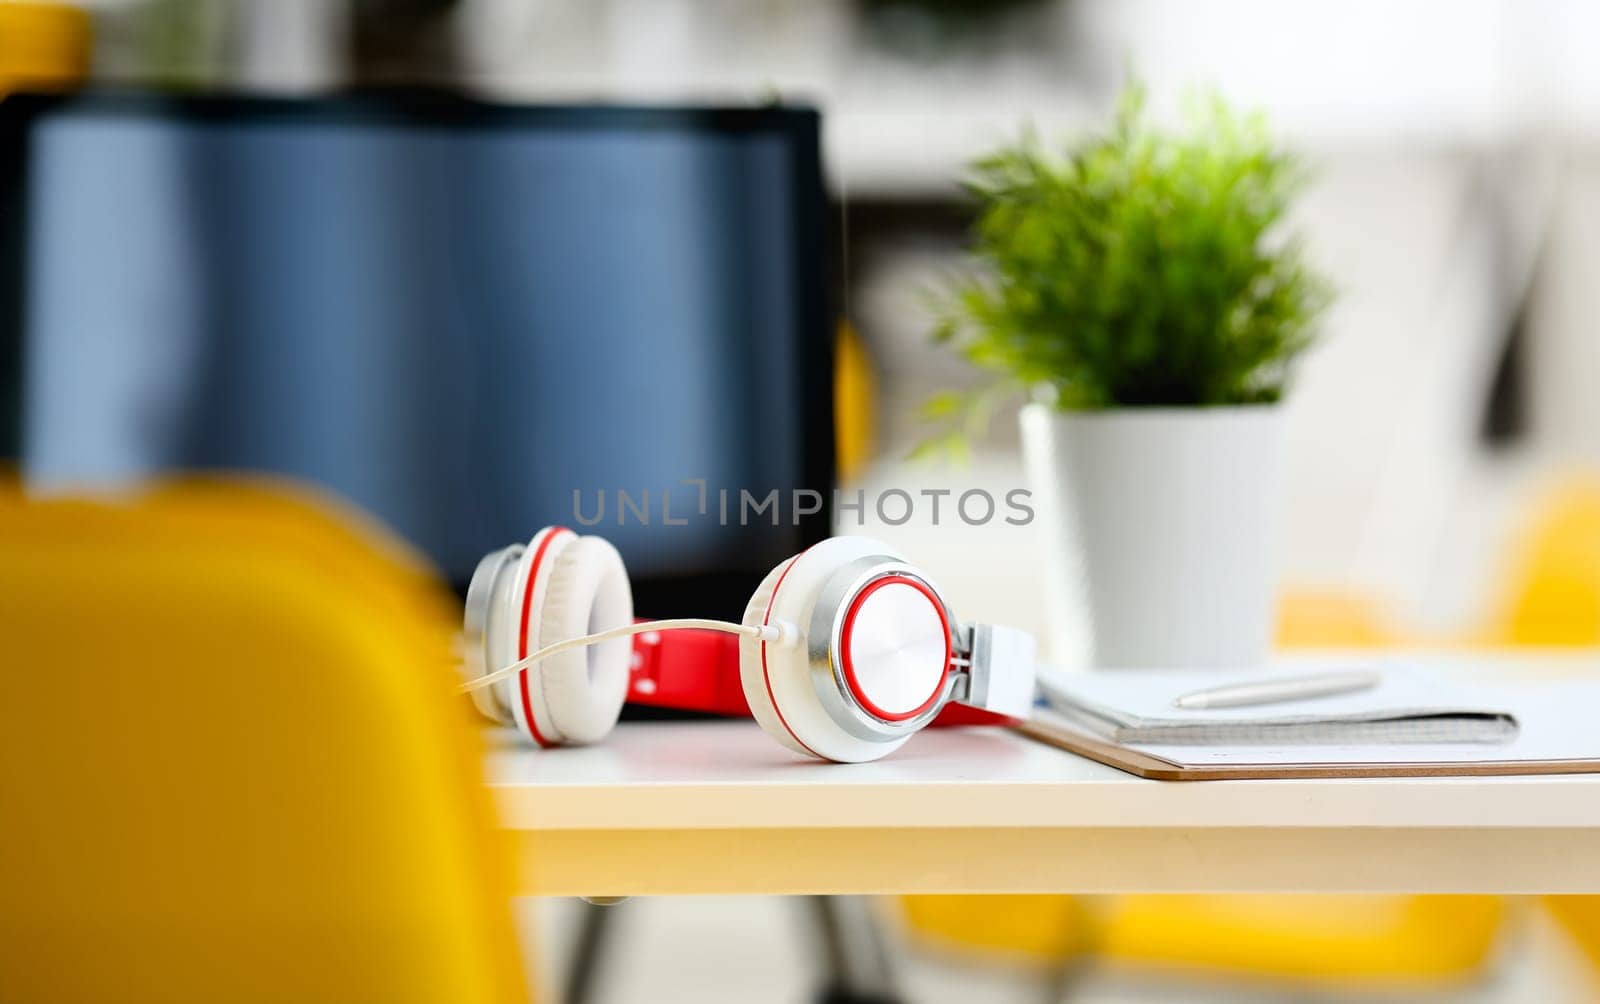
{"x":467,"y":319}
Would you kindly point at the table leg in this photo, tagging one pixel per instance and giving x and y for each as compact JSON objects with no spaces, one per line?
{"x":596,"y":923}
{"x":858,"y":966}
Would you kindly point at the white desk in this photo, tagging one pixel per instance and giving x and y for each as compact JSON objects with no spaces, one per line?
{"x":718,"y":807}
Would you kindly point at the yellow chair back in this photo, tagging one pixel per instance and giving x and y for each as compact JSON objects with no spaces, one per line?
{"x":230,"y":764}
{"x":1553,"y":593}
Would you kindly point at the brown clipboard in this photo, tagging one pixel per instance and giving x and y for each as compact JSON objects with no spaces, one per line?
{"x":1160,"y":769}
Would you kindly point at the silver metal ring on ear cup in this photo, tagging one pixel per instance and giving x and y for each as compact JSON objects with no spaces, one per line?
{"x":823,"y":639}
{"x":475,"y":627}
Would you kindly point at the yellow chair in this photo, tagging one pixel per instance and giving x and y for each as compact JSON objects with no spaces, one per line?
{"x":1553,"y":598}
{"x":1376,"y":943}
{"x":43,"y":46}
{"x":230,"y":767}
{"x":854,"y":418}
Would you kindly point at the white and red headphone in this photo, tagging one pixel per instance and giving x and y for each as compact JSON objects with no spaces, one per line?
{"x":844,"y":653}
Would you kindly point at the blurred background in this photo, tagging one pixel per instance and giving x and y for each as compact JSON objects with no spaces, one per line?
{"x":1446,"y":419}
{"x":1452,"y":196}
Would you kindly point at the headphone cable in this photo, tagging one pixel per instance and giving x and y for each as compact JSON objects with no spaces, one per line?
{"x":779,"y":632}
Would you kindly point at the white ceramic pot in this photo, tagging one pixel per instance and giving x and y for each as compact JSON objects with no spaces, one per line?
{"x":1161,"y":525}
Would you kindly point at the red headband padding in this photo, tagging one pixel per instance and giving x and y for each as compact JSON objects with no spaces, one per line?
{"x":688,"y":669}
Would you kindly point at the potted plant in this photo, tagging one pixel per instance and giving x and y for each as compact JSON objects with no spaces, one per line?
{"x":1142,"y":290}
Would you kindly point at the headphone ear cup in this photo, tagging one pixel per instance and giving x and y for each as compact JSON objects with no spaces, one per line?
{"x":582,"y":691}
{"x":778,"y":679}
{"x":481,"y":616}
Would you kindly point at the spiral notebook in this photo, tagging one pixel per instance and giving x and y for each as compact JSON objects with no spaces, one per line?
{"x":1412,"y":723}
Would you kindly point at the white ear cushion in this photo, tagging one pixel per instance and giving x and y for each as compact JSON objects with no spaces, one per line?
{"x":580,"y":692}
{"x":777,"y":678}
{"x":751,"y":675}
{"x":525,"y":586}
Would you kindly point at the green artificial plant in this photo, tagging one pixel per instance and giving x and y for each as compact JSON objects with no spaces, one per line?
{"x":1139,"y":267}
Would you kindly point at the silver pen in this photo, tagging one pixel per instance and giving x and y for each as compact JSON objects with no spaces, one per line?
{"x":1274,"y":690}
